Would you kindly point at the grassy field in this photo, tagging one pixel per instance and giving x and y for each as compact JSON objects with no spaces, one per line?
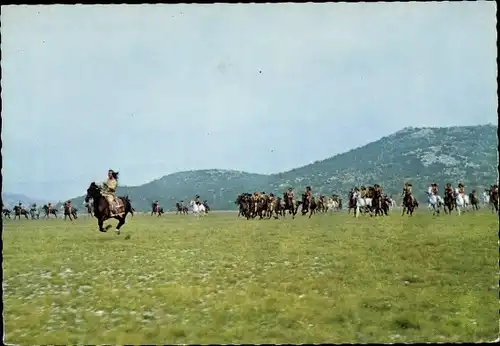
{"x":222,"y":280}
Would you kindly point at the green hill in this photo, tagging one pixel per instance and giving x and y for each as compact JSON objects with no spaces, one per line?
{"x":419,"y":155}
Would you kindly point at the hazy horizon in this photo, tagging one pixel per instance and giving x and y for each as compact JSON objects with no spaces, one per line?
{"x":193,"y":85}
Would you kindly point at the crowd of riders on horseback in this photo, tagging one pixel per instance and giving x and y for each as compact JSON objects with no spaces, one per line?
{"x":449,"y":202}
{"x":33,"y":212}
{"x":268,"y":205}
{"x":180,"y":208}
{"x":102,"y":202}
{"x":370,"y":200}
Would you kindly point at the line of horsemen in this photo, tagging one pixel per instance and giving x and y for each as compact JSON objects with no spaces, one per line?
{"x":180,"y":208}
{"x":449,"y":202}
{"x":268,"y":205}
{"x":33,"y":211}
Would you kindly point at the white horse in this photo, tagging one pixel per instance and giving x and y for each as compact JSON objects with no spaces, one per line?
{"x":197,"y":209}
{"x":435,"y":201}
{"x":332,"y":205}
{"x":462,"y":201}
{"x":486,"y":198}
{"x":365,"y":203}
{"x":392,"y":203}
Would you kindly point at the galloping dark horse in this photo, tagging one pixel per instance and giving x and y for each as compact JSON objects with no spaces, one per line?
{"x":101,"y":208}
{"x":70,"y":212}
{"x":243,"y":202}
{"x":409,"y":204}
{"x":474,"y":201}
{"x":291,"y":205}
{"x":377,"y":202}
{"x":6,"y":212}
{"x":493,"y":193}
{"x":156,"y":209}
{"x":182,"y":209}
{"x":52,"y":211}
{"x":308,"y":205}
{"x":207,"y":207}
{"x":449,"y":201}
{"x":18,"y":211}
{"x":351,"y":202}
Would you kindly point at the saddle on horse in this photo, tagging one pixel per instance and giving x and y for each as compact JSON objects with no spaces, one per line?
{"x":116,"y":206}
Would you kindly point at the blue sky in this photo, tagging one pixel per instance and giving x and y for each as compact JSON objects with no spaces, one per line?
{"x":164,"y":88}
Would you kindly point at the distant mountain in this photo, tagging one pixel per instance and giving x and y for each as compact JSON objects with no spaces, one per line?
{"x":418,"y":155}
{"x":12,"y":199}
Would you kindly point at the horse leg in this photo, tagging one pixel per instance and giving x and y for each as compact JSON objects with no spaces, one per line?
{"x":121,"y":222}
{"x":100,"y":223}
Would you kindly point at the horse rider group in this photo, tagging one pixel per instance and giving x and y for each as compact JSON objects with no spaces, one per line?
{"x":365,"y":192}
{"x":289,"y":194}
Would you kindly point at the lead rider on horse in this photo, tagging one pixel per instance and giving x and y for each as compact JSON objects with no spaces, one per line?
{"x":108,"y":189}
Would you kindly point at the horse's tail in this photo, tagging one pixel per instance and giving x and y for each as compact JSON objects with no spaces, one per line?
{"x":128,"y":205}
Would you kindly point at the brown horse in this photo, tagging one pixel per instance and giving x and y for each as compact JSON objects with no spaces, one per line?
{"x":244,"y":205}
{"x":351,"y":201}
{"x":377,"y":202}
{"x":48,"y":211}
{"x":291,"y":205}
{"x":18,"y":211}
{"x":449,"y":200}
{"x":156,"y":209}
{"x":409,"y":204}
{"x":6,"y":213}
{"x":474,"y":201}
{"x":102,"y":209}
{"x":182,"y":209}
{"x":493,"y":193}
{"x":70,"y":212}
{"x":308,"y":205}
